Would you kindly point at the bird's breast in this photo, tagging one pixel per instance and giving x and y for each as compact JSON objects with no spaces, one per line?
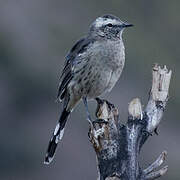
{"x":101,"y":72}
{"x":111,"y":59}
{"x":110,"y":53}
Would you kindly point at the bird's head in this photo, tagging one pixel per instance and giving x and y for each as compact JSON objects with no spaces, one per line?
{"x":108,"y":26}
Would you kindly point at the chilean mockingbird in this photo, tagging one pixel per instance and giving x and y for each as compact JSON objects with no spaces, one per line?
{"x":92,"y":67}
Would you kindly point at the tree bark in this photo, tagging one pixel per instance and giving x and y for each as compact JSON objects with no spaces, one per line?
{"x":118,"y":146}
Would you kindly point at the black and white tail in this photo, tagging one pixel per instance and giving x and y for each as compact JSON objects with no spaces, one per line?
{"x":57,"y":135}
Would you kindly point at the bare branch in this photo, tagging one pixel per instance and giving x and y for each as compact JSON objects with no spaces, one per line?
{"x":117,"y":146}
{"x":102,"y":131}
{"x":157,"y":163}
{"x":135,"y":109}
{"x":157,"y":174}
{"x":158,"y":96}
{"x":112,"y":178}
{"x":160,"y":83}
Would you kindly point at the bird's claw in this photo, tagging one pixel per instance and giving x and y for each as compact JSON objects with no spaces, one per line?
{"x":100,"y":121}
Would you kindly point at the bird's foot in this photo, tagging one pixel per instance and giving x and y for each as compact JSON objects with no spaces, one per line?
{"x":100,"y":121}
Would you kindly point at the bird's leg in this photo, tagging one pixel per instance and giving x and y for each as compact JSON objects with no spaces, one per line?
{"x":87,"y":110}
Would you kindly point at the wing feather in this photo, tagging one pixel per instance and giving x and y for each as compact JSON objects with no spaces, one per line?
{"x":70,"y":63}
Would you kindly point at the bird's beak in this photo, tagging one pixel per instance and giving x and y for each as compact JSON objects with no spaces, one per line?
{"x":127,"y":25}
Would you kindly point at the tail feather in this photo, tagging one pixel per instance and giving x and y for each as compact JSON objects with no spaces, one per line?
{"x":57,"y":135}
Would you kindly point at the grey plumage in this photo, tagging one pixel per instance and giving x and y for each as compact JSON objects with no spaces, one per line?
{"x":92,"y":67}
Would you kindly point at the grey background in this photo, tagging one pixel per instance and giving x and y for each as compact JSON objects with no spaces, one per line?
{"x":34,"y":38}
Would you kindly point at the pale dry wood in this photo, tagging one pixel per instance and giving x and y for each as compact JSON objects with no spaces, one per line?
{"x":159,"y":161}
{"x":117,"y":146}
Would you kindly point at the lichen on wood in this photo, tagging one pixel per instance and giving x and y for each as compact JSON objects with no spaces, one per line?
{"x":117,"y":146}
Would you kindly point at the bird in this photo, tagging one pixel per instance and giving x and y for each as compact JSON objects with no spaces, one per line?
{"x":92,"y":68}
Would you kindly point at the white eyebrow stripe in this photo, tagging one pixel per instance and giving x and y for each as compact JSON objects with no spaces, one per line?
{"x":100,"y":21}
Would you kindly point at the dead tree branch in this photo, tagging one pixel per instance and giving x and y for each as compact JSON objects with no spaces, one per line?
{"x":117,"y":146}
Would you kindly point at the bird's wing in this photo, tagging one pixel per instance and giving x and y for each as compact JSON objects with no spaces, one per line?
{"x":72,"y":64}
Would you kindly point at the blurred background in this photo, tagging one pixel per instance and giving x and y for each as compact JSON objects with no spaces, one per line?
{"x":35,"y":36}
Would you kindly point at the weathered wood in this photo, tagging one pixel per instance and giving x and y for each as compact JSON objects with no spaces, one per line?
{"x":117,"y":146}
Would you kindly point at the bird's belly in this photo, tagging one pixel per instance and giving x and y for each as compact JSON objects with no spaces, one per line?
{"x":98,"y":77}
{"x":99,"y":85}
{"x":114,"y":78}
{"x":91,"y":82}
{"x":104,"y":83}
{"x":99,"y":81}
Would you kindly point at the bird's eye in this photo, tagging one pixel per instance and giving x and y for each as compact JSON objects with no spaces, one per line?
{"x":109,"y":25}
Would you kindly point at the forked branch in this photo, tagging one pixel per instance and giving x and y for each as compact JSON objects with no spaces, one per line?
{"x":117,"y":146}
